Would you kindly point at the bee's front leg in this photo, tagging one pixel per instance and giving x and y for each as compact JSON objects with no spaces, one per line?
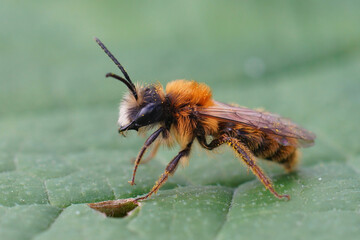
{"x":147,"y":143}
{"x":151,"y":155}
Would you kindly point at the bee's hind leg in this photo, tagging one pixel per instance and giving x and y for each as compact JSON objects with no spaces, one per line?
{"x":249,"y":159}
{"x":245,"y":154}
{"x":169,"y":170}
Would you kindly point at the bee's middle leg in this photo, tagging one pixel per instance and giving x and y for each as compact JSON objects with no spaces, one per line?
{"x":169,"y":170}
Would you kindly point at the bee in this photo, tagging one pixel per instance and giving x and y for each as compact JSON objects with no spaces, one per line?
{"x":185,"y":112}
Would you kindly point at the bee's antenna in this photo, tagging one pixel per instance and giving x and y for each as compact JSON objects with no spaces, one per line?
{"x":131,"y":87}
{"x":128,"y":81}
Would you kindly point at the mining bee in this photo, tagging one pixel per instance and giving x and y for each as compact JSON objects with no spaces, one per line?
{"x":185,"y":112}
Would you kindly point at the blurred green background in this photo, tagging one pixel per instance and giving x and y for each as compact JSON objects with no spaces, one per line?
{"x":58,"y":134}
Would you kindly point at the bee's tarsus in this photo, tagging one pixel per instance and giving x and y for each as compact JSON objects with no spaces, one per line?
{"x":287,"y":197}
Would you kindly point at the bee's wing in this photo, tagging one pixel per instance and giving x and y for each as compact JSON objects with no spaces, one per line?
{"x":280,"y":128}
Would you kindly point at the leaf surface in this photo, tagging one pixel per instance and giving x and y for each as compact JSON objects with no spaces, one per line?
{"x":59,"y":147}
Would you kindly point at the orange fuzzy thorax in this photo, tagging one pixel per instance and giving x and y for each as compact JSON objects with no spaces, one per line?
{"x":190,"y":92}
{"x":185,"y":96}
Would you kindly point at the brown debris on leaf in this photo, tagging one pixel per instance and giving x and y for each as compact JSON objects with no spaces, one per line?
{"x":115,"y":208}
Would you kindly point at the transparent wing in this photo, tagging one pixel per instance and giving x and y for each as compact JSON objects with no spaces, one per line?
{"x":280,"y":128}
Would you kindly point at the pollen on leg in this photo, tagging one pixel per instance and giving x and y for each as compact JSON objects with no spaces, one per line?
{"x":249,"y":159}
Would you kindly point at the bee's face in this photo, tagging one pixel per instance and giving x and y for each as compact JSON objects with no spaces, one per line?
{"x":143,"y":106}
{"x":134,"y":114}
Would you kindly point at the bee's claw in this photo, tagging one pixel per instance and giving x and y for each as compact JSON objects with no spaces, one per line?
{"x":131,"y":183}
{"x":286,"y":196}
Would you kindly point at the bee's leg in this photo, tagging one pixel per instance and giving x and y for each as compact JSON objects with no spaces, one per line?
{"x":152,"y":154}
{"x":249,"y":160}
{"x":148,"y":142}
{"x":214,"y":143}
{"x":169,"y":170}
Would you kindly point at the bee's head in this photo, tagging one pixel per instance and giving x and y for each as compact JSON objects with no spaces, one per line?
{"x":142,"y":106}
{"x":148,"y":109}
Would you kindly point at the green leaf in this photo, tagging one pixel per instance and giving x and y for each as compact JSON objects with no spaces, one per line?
{"x":58,"y":136}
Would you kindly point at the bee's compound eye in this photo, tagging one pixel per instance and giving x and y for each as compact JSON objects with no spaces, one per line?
{"x":149,"y":114}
